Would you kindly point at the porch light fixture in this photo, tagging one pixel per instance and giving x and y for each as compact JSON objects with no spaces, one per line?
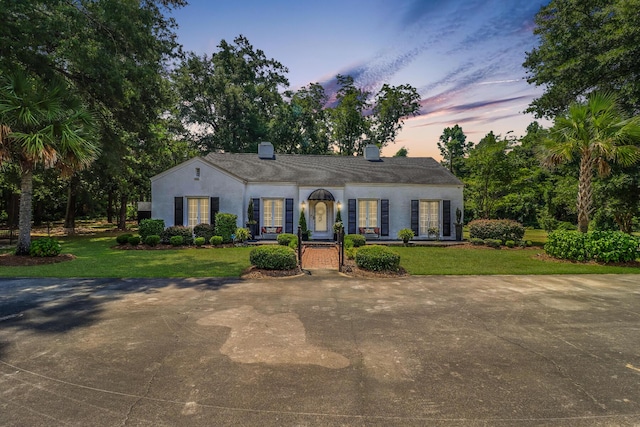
{"x":339,"y":204}
{"x":303,"y":204}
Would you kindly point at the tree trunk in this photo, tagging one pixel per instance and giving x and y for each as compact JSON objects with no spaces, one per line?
{"x":24,"y":223}
{"x":70,"y":215}
{"x":122,"y":221}
{"x":585,"y":192}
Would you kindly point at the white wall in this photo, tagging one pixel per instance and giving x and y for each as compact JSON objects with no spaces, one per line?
{"x":400,"y":197}
{"x":181,"y":182}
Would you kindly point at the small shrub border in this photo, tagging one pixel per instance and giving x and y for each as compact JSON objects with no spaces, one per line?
{"x":176,"y":241}
{"x":377,"y":258}
{"x":152,"y":240}
{"x":134,"y":240}
{"x":45,"y":247}
{"x":215,"y":241}
{"x":177,"y":230}
{"x":354,"y":240}
{"x":502,"y":229}
{"x":123,"y":239}
{"x":599,"y":246}
{"x":150,"y":227}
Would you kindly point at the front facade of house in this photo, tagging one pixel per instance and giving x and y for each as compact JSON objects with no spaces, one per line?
{"x":376,"y":196}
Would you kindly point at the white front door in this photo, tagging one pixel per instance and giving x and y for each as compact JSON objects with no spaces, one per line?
{"x":321,"y":217}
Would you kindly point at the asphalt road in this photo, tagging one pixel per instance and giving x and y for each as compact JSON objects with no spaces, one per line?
{"x":321,"y":351}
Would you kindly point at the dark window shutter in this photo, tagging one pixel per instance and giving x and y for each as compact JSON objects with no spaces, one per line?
{"x":178,"y":211}
{"x":256,"y":214}
{"x":351,"y":215}
{"x":214,"y":206}
{"x":446,"y":217}
{"x":415,"y":224}
{"x":288,"y":216}
{"x":384,"y":217}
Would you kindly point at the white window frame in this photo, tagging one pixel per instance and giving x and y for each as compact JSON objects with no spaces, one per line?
{"x":272,"y":212}
{"x":429,"y":216}
{"x":198,"y":211}
{"x":368,"y":212}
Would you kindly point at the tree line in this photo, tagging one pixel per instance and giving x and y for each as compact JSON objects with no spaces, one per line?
{"x":97,"y":96}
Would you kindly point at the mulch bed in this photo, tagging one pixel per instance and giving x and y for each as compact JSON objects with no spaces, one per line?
{"x":10,"y":260}
{"x":351,"y":269}
{"x":258,"y":273}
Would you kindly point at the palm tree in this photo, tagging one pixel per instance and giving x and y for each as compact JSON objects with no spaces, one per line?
{"x":41,"y":125}
{"x":597,"y":134}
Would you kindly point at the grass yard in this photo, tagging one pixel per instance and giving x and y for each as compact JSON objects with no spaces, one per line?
{"x":486,"y":261}
{"x":95,"y":258}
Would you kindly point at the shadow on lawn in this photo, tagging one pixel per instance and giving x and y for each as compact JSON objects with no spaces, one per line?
{"x":60,"y":305}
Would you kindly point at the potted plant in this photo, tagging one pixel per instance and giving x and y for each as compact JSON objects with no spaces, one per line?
{"x":458,"y":224}
{"x":251,"y":220}
{"x":406,"y":234}
{"x":433,"y":232}
{"x":302,"y":223}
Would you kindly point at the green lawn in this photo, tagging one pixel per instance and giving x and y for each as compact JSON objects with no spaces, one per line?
{"x":95,"y":258}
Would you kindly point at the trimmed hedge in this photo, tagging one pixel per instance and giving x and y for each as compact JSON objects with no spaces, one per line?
{"x":150,"y":227}
{"x":500,"y":229}
{"x":493,"y":243}
{"x":226,"y":225}
{"x":215,"y":240}
{"x":123,"y":239}
{"x":45,"y":247}
{"x":600,"y":246}
{"x":285,"y":239}
{"x":176,"y":240}
{"x":199,"y":241}
{"x":152,"y":240}
{"x":377,"y":258}
{"x":354,"y":240}
{"x":134,"y":240}
{"x":204,"y":230}
{"x":177,"y":230}
{"x":273,"y":257}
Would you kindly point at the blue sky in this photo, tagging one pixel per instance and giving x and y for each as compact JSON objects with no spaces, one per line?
{"x":464,"y":56}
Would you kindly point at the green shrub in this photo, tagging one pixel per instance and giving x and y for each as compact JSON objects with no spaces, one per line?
{"x":123,"y":239}
{"x":377,"y":258}
{"x":199,"y":241}
{"x":510,"y":243}
{"x":177,"y":230}
{"x":476,"y":241}
{"x":566,"y":226}
{"x":150,"y":227}
{"x":134,"y":240}
{"x":215,"y":240}
{"x":354,"y":240}
{"x":273,"y":257}
{"x":502,"y":229}
{"x":45,"y":247}
{"x":176,"y":240}
{"x":493,"y":243}
{"x":285,"y":239}
{"x":601,"y":246}
{"x":350,"y":253}
{"x":242,"y":234}
{"x":293,"y":244}
{"x":206,"y":231}
{"x":152,"y":240}
{"x":226,"y":225}
{"x":405,"y":235}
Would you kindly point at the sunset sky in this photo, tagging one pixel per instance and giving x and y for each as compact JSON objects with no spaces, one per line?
{"x":463,"y":56}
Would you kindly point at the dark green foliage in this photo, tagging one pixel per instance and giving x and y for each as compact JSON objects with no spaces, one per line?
{"x":285,"y":239}
{"x":149,"y":227}
{"x":377,"y":258}
{"x":476,"y":241}
{"x":354,"y":240}
{"x":199,"y":241}
{"x":45,"y":247}
{"x":601,"y":246}
{"x":215,"y":240}
{"x":302,"y":223}
{"x":273,"y":257}
{"x":510,"y":243}
{"x":350,"y":253}
{"x":500,"y":229}
{"x":493,"y":243}
{"x":123,"y":239}
{"x":176,"y":240}
{"x":152,"y":240}
{"x":177,"y":230}
{"x":206,"y":231}
{"x":134,"y":240}
{"x":226,"y":225}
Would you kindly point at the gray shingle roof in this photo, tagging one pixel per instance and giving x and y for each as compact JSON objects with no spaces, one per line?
{"x":333,"y":170}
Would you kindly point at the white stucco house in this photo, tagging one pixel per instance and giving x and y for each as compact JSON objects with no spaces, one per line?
{"x":377,"y":196}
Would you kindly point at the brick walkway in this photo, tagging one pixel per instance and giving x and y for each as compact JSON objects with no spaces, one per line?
{"x":320,"y":258}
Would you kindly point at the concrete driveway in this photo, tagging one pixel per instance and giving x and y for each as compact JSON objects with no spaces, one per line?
{"x":321,"y":350}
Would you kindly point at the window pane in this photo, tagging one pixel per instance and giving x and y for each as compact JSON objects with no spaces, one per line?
{"x":429,"y":216}
{"x":362,"y":213}
{"x":373,"y":213}
{"x":268,"y":213}
{"x":277,"y":213}
{"x":204,"y":211}
{"x":193,"y":211}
